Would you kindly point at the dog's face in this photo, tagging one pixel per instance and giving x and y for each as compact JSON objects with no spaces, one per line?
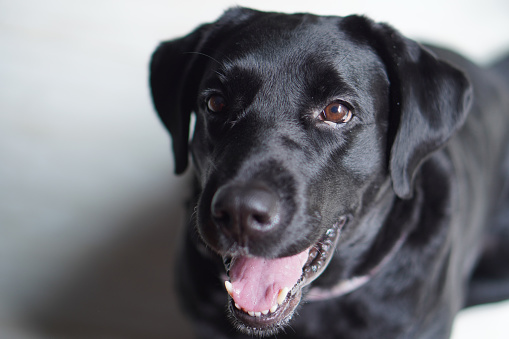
{"x":306,"y":128}
{"x":287,"y":126}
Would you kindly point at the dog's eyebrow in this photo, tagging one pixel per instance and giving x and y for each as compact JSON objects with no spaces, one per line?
{"x":325,"y":82}
{"x":239,"y":83}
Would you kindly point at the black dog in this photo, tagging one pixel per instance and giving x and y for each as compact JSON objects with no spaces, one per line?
{"x":350,"y":183}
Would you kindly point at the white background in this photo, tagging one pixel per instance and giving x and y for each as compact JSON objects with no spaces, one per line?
{"x":89,"y":207}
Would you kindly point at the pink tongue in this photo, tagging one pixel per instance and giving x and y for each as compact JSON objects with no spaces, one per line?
{"x":257,"y":281}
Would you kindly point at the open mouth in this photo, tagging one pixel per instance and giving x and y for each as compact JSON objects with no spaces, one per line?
{"x":264,"y":293}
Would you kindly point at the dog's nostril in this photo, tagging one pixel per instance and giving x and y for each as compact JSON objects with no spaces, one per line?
{"x":245,"y":208}
{"x":262,"y":218}
{"x":261,"y":214}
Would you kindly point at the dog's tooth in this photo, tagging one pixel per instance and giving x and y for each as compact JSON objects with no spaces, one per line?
{"x":282,"y":295}
{"x":237,"y":306}
{"x":229,"y":288}
{"x":251,"y":313}
{"x":273,"y":308}
{"x":258,"y":314}
{"x":265,"y":312}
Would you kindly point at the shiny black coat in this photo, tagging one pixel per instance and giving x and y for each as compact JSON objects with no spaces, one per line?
{"x":420,"y":172}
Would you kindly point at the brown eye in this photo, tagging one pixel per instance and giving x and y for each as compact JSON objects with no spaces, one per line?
{"x":216,"y":103}
{"x":336,"y":113}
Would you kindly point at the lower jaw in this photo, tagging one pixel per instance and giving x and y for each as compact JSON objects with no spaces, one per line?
{"x":265,"y":325}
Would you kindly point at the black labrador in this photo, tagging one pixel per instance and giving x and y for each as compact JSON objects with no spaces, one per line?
{"x":350,"y":182}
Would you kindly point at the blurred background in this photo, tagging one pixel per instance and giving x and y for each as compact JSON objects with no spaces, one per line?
{"x":90,"y":211}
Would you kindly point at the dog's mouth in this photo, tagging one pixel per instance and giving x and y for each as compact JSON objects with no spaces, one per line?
{"x":264,"y":293}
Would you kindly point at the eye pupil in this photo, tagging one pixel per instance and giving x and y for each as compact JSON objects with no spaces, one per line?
{"x":216,"y":103}
{"x":336,"y":113}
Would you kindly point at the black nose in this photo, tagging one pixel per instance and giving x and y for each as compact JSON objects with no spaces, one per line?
{"x":245,"y":209}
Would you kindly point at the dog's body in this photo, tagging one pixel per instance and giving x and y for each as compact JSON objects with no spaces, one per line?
{"x":343,"y":161}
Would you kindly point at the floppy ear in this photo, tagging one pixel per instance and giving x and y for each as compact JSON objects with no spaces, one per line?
{"x":175,"y":73}
{"x":434,"y":101}
{"x":430,"y":99}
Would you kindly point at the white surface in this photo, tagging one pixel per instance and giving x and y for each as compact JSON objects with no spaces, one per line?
{"x":88,"y":204}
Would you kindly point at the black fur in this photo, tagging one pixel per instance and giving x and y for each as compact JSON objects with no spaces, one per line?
{"x":420,"y":172}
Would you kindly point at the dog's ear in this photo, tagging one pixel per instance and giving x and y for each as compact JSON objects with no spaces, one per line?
{"x":175,"y":72}
{"x":430,"y":99}
{"x":434,"y":100}
{"x":176,"y":69}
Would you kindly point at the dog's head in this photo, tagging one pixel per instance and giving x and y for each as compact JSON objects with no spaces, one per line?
{"x":306,"y":127}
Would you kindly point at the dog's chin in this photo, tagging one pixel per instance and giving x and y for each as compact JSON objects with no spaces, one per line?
{"x":271,"y":322}
{"x":264,"y":325}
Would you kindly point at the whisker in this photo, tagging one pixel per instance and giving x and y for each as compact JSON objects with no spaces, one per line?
{"x":205,"y":55}
{"x":344,"y":57}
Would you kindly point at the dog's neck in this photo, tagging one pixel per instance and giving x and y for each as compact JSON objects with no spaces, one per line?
{"x":401,"y":222}
{"x":346,"y":286}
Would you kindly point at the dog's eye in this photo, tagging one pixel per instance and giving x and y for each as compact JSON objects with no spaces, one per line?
{"x":336,"y":113}
{"x":216,"y":103}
